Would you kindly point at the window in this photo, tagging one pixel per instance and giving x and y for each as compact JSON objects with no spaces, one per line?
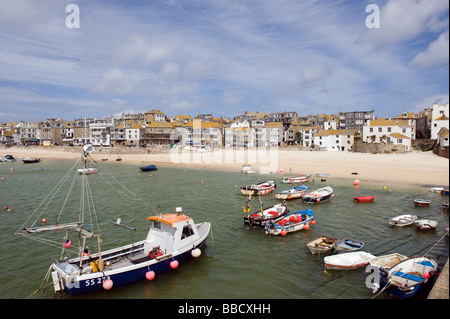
{"x":157,"y":224}
{"x":389,"y":129}
{"x":380,"y":129}
{"x":187,"y":232}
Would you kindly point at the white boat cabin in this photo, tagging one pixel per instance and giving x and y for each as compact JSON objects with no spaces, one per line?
{"x":169,"y":233}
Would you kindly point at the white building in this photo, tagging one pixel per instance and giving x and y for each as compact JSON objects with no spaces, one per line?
{"x":335,"y":140}
{"x":397,"y":132}
{"x":439,"y":119}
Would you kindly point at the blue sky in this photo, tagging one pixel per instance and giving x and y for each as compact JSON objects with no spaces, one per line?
{"x":221,"y":56}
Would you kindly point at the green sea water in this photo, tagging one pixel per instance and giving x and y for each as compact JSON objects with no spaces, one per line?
{"x":239,"y":263}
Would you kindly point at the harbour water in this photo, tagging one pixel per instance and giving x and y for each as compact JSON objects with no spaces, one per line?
{"x":239,"y":263}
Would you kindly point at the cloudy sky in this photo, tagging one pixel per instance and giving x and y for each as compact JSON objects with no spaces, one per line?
{"x":221,"y":57}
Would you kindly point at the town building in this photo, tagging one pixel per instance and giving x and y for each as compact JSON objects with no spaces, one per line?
{"x":397,"y":132}
{"x":335,"y":140}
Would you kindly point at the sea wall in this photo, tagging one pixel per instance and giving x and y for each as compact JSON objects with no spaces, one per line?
{"x":375,"y":148}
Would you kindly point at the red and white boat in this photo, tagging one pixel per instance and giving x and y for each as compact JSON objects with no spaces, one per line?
{"x":422,"y":202}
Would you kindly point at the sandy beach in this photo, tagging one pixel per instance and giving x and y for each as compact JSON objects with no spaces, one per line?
{"x":419,"y":168}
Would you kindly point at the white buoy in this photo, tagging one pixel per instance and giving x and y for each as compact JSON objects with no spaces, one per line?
{"x":196,"y":252}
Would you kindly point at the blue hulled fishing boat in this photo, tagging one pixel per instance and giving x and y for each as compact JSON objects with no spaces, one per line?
{"x":172,"y":240}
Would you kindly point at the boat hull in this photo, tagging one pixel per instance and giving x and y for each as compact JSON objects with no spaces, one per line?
{"x":94,"y":282}
{"x":318,"y":196}
{"x":349,"y":245}
{"x":348,"y":261}
{"x":364,"y":199}
{"x":403,"y":220}
{"x":426,"y":224}
{"x":322,"y":245}
{"x":148,"y":168}
{"x":421,"y":203}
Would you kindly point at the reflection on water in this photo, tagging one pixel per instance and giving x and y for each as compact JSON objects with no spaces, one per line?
{"x":239,"y":262}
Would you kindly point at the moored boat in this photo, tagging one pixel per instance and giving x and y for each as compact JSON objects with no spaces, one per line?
{"x":261,"y":217}
{"x":426,"y":224}
{"x":322,"y":245}
{"x":364,"y":199}
{"x":247,"y":169}
{"x":347,"y":261}
{"x":410,"y":276}
{"x":87,"y":171}
{"x":387,"y":261}
{"x":260,"y":188}
{"x":296,"y":179}
{"x":29,"y":160}
{"x":444,"y":192}
{"x":445,"y":206}
{"x":318,"y":195}
{"x":436,"y":189}
{"x":402,"y":220}
{"x":292,"y":193}
{"x":7,"y":158}
{"x":348,"y":245}
{"x":291,"y":222}
{"x":422,"y":202}
{"x":148,"y":168}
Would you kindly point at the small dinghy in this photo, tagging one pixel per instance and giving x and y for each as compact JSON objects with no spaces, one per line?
{"x":322,"y":245}
{"x":422,"y":202}
{"x":29,"y":160}
{"x":296,"y":179}
{"x":319,"y":195}
{"x":364,"y":199}
{"x":387,"y":261}
{"x":148,"y":168}
{"x":347,"y":261}
{"x":402,"y":220}
{"x":349,"y":245}
{"x":261,"y":188}
{"x":436,"y":189}
{"x":247,"y":169}
{"x":426,"y":224}
{"x":409,"y":276}
{"x":291,"y":222}
{"x":292,"y":193}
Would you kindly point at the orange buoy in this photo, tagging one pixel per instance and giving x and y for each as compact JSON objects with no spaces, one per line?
{"x":107,"y":284}
{"x":174,"y":264}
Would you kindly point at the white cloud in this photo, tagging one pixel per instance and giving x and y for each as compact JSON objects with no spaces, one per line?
{"x":230,"y":98}
{"x":113,"y":82}
{"x":170,"y":70}
{"x":437,"y":53}
{"x":140,"y":49}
